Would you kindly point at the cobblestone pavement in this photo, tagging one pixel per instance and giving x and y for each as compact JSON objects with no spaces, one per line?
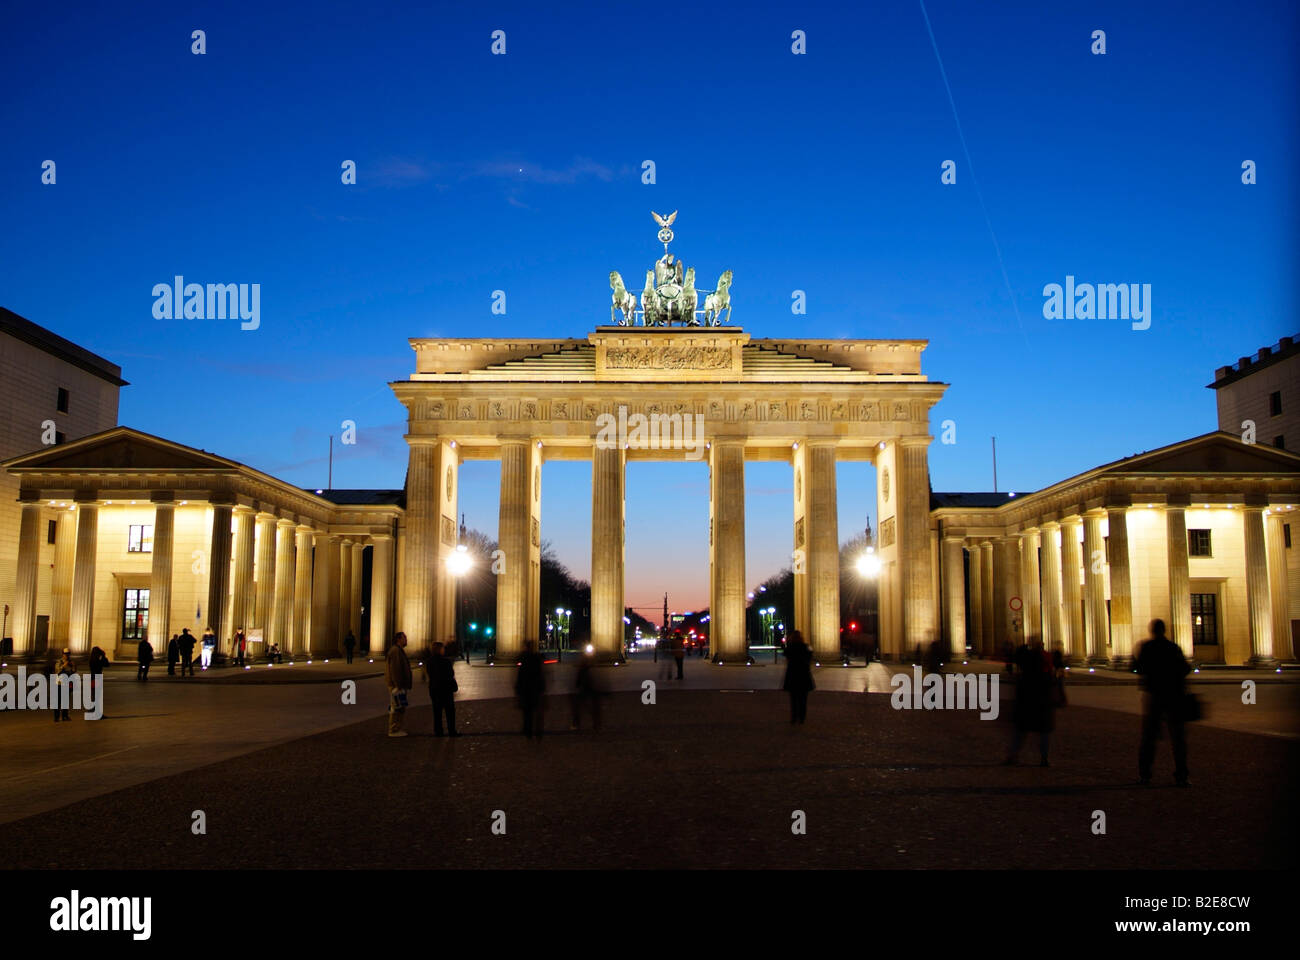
{"x":700,"y":779}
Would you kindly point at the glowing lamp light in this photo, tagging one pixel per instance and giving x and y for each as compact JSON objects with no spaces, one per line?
{"x":459,"y":562}
{"x":590,"y":648}
{"x":868,"y":565}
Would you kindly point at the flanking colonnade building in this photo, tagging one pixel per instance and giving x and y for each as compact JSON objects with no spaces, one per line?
{"x":122,"y":534}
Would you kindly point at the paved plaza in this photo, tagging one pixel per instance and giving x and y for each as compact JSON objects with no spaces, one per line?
{"x":708,"y":776}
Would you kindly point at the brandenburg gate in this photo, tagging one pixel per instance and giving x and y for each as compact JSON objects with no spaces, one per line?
{"x":810,"y":403}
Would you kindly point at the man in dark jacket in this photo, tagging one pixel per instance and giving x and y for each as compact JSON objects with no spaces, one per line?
{"x":679,"y":652}
{"x":349,"y":645}
{"x":440,"y":675}
{"x":530,"y":683}
{"x":144,"y":653}
{"x":1162,"y":668}
{"x":173,"y":655}
{"x":397,"y":675}
{"x":186,"y":643}
{"x":798,"y":676}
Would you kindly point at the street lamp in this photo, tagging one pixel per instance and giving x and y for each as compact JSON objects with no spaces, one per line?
{"x":869,"y":564}
{"x":458,"y":564}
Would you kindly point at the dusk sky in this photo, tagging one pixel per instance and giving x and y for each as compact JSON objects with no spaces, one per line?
{"x":817,"y":172}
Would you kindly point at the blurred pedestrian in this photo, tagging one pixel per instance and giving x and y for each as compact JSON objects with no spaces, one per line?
{"x":679,"y":652}
{"x":530,"y":684}
{"x":933,"y":662}
{"x":186,"y":643}
{"x":397,"y":674}
{"x":144,"y":654}
{"x":238,"y":645}
{"x":98,"y":661}
{"x":173,"y":655}
{"x":440,"y":675}
{"x":209,"y":646}
{"x":51,"y":680}
{"x":1035,"y":703}
{"x":798,"y":676}
{"x":67,"y":669}
{"x":349,"y":644}
{"x":1161,"y":668}
{"x":586,"y":690}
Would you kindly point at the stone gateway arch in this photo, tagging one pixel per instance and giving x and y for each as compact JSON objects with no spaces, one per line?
{"x":614,"y":396}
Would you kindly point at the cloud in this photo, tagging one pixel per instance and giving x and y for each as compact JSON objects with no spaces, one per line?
{"x":522,"y":170}
{"x":398,"y":172}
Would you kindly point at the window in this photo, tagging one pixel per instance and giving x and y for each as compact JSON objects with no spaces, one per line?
{"x":1275,"y":403}
{"x":1205,"y":626}
{"x":140,"y":538}
{"x":50,"y":531}
{"x":60,"y":436}
{"x":1198,"y":543}
{"x":63,"y":400}
{"x":1277,"y":442}
{"x":135,"y":614}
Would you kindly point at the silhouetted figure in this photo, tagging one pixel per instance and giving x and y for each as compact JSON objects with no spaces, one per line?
{"x":530,"y":683}
{"x":1035,"y":701}
{"x":440,"y":675}
{"x":397,"y":674}
{"x":679,"y":653}
{"x":238,"y":645}
{"x":67,"y":668}
{"x":586,"y":690}
{"x":350,"y":644}
{"x":1162,"y":668}
{"x":798,"y":676}
{"x":173,"y":655}
{"x":933,"y":662}
{"x":144,"y":654}
{"x":51,"y":681}
{"x":186,"y":642}
{"x":98,"y":661}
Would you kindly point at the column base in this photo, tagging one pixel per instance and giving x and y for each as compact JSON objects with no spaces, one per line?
{"x":1121,"y":663}
{"x":1264,"y":663}
{"x":1097,"y":661}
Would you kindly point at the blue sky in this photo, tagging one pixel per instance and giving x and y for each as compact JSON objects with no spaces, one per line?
{"x":521,"y":172}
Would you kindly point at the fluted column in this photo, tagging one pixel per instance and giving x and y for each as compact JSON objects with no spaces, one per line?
{"x":1006,"y":585}
{"x":954,"y":597}
{"x":1121,"y":589}
{"x":1276,"y":546}
{"x":264,"y":606}
{"x":920,"y":606}
{"x":727,"y":636}
{"x":343,"y":600}
{"x":83,"y":578}
{"x":988,"y":610}
{"x":300,"y":639}
{"x":358,"y":552}
{"x":219,"y":571}
{"x":381,"y":594}
{"x":975,"y":629}
{"x":325,"y":598}
{"x":533,"y":619}
{"x":1073,"y":636}
{"x":281,"y":632}
{"x":1031,"y":609}
{"x":607,"y":478}
{"x":512,"y":539}
{"x":1257,"y":588}
{"x":241,"y":594}
{"x":1096,"y":625}
{"x":65,"y":553}
{"x":1180,"y":584}
{"x":29,"y":551}
{"x":160,"y":577}
{"x":823,"y":546}
{"x":428,"y":593}
{"x":1052,"y":637}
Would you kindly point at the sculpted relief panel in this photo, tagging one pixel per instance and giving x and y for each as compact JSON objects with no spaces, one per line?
{"x":667,"y":358}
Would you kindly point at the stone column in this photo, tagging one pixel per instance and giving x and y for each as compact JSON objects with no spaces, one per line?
{"x":65,"y":552}
{"x":989,"y":626}
{"x":1006,"y":584}
{"x":1257,"y":589}
{"x":727,"y":634}
{"x":381,"y":594}
{"x":1096,"y":625}
{"x":823,"y":548}
{"x":83,"y":578}
{"x":281,"y":632}
{"x":954,"y":597}
{"x":1052,"y":637}
{"x":241,"y":594}
{"x":1180,"y":585}
{"x":513,"y":600}
{"x":219,"y":571}
{"x":607,"y":479}
{"x":533,"y":620}
{"x":358,"y":569}
{"x":300,"y":641}
{"x":264,"y":609}
{"x":1121,"y":591}
{"x":1073,"y":636}
{"x":919,"y":603}
{"x":428,"y":593}
{"x":160,"y":577}
{"x":975,"y":629}
{"x":29,"y":553}
{"x":1276,"y":543}
{"x":344,"y":597}
{"x":1031,"y":609}
{"x":325,"y":598}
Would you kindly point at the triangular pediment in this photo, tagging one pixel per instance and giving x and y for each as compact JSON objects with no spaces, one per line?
{"x":120,"y":448}
{"x":1212,"y":453}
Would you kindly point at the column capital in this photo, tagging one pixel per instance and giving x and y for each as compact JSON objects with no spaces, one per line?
{"x":1118,"y":501}
{"x":242,"y":509}
{"x":1049,"y":526}
{"x":88,"y":498}
{"x":163,"y":498}
{"x":1178,"y":501}
{"x":284,"y":522}
{"x":26,"y":497}
{"x":1073,"y":520}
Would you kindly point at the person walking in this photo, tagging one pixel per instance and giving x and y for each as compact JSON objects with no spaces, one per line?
{"x":349,"y":645}
{"x":397,"y":674}
{"x":1162,"y":669}
{"x":237,"y":647}
{"x":530,"y":683}
{"x":440,"y":675}
{"x":1035,"y":703}
{"x":51,"y":672}
{"x":186,"y":644}
{"x":679,"y":652}
{"x":798,"y":676}
{"x":173,"y":655}
{"x":208,"y":647}
{"x":98,"y":661}
{"x":67,"y":668}
{"x":586,"y":691}
{"x":144,"y":653}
